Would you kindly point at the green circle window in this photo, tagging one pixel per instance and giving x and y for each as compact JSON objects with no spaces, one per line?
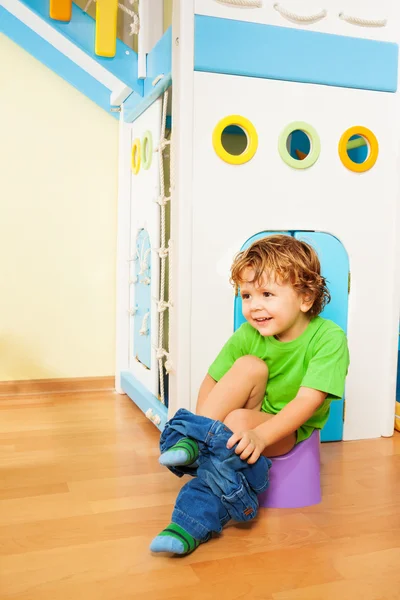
{"x":147,"y":150}
{"x":299,"y":145}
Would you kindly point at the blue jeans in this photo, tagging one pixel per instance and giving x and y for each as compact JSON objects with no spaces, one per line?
{"x":225,"y":488}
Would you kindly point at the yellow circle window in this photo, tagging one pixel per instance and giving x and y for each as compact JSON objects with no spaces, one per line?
{"x":235,"y":140}
{"x":136,"y":156}
{"x":358,"y":149}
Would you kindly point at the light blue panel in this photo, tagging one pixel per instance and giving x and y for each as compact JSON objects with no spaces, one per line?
{"x":159,"y":61}
{"x":257,"y":50}
{"x":142,"y":343}
{"x":81,"y":31}
{"x":237,"y":311}
{"x":136,"y":105}
{"x":55,"y":60}
{"x":335,"y":269}
{"x":141,"y":396}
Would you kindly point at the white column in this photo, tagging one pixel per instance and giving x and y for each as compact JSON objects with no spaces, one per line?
{"x":181,"y":203}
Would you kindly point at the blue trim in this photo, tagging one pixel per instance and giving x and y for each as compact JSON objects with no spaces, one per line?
{"x":270,"y":52}
{"x":135,"y":105}
{"x":81,"y":31}
{"x":159,"y":61}
{"x":55,"y":60}
{"x":143,"y":398}
{"x":335,"y":268}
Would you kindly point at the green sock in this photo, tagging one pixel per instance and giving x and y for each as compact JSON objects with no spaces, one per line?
{"x":174,"y":539}
{"x":184,"y":452}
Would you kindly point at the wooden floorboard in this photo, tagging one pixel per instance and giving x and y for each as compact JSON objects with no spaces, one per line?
{"x":82,"y":495}
{"x":52,"y":386}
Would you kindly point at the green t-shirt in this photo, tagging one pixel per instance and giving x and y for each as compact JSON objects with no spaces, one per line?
{"x":317,"y":359}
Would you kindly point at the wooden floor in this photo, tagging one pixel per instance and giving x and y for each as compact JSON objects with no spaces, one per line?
{"x":82,"y":495}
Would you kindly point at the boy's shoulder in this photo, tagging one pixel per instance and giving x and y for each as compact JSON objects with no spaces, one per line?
{"x":324,"y":326}
{"x":326,"y":333}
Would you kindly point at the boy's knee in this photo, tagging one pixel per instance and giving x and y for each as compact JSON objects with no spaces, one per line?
{"x":238,"y":420}
{"x":253,"y":366}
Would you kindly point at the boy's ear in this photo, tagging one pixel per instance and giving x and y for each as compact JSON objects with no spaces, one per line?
{"x":307,"y":302}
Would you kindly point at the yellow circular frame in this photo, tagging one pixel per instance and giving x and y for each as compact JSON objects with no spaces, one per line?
{"x":136,"y":156}
{"x":373,"y":149}
{"x":251,"y":134}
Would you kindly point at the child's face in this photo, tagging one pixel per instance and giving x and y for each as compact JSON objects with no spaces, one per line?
{"x":272,"y":307}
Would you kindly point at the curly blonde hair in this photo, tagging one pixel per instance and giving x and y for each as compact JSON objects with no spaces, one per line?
{"x":290,"y":261}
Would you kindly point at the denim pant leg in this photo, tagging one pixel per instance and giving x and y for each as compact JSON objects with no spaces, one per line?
{"x":199,"y":511}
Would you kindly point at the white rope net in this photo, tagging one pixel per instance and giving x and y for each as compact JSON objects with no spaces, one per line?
{"x":163,"y":304}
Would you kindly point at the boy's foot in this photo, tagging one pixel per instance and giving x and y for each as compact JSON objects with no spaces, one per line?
{"x":185,"y":452}
{"x":174,"y":539}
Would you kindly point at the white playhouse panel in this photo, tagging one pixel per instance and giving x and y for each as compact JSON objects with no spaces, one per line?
{"x":145,"y":214}
{"x":231,"y":203}
{"x":330,"y":16}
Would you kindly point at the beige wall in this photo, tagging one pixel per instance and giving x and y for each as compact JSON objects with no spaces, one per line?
{"x":167,"y":14}
{"x":58,"y":201}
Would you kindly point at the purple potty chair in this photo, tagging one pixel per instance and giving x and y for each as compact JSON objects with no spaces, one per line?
{"x":295,"y":477}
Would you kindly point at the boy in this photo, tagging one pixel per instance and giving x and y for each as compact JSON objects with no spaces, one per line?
{"x":273,"y":381}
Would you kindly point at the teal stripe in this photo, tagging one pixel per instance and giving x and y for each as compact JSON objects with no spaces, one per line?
{"x":289,"y":54}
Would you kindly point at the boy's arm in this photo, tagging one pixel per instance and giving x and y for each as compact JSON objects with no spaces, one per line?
{"x":287,"y":421}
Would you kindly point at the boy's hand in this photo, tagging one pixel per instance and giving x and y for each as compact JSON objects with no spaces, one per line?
{"x":250,"y":445}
